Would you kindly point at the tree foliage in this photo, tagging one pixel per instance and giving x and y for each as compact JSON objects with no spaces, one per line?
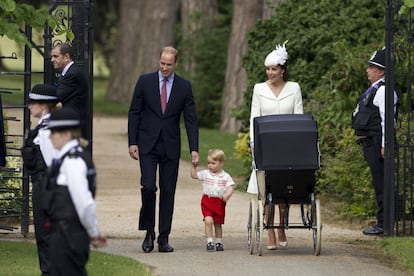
{"x":106,"y":21}
{"x":329,"y":43}
{"x":14,"y":16}
{"x":209,"y":49}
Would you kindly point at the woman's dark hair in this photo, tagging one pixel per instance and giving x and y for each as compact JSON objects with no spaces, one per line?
{"x":286,"y":73}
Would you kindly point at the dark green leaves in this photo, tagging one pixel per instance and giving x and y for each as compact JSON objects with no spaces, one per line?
{"x":14,"y":17}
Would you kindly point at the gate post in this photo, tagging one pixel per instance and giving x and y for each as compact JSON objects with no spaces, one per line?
{"x":389,"y":166}
{"x":24,"y":222}
{"x":83,"y":51}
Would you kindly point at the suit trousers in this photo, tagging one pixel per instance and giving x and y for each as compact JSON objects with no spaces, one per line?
{"x":168,"y":173}
{"x":372,"y":154}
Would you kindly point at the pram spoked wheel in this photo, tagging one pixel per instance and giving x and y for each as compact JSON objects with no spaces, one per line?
{"x":316,"y":226}
{"x":251,"y":226}
{"x":255,"y":227}
{"x":260,"y":227}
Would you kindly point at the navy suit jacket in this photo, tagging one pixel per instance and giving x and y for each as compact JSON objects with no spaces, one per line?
{"x":146,"y":122}
{"x":73,"y":92}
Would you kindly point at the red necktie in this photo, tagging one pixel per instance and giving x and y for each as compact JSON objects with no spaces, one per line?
{"x":164,"y":95}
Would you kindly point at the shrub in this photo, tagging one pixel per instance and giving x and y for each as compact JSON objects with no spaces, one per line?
{"x":346,"y":177}
{"x":11,"y":188}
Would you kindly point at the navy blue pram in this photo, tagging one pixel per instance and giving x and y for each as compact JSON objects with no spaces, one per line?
{"x":286,"y":155}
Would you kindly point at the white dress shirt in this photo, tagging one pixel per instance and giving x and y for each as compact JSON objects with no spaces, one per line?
{"x":379,"y":101}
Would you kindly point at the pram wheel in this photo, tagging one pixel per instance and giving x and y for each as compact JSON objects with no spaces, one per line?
{"x":251,"y":226}
{"x":316,"y":226}
{"x":260,"y":227}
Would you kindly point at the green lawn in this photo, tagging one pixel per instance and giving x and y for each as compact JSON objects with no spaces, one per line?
{"x":211,"y":139}
{"x":20,"y":258}
{"x":394,"y":252}
{"x":400,"y":251}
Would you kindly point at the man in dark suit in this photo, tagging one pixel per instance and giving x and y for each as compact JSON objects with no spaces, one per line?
{"x":73,"y":89}
{"x":154,"y":140}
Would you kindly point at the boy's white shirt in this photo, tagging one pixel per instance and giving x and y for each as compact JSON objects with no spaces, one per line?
{"x":216,"y":184}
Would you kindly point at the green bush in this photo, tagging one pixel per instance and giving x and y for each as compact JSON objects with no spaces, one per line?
{"x":346,"y":177}
{"x":208,"y":47}
{"x":11,"y":185}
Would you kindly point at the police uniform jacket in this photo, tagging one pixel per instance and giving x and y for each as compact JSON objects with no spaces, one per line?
{"x":379,"y":102}
{"x":43,"y":140}
{"x":38,"y":151}
{"x":72,"y":179}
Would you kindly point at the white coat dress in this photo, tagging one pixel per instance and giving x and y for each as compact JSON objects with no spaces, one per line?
{"x":264,"y":102}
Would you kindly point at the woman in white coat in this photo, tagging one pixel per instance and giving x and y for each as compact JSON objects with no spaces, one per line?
{"x":276,"y":95}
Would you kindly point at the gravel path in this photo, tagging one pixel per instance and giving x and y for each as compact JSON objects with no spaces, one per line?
{"x":118,"y":200}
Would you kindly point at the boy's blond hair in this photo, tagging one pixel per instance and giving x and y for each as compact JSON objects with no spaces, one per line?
{"x":216,"y":154}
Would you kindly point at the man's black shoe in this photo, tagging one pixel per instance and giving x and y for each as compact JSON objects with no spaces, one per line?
{"x":165,"y":248}
{"x":148,"y":243}
{"x":375,"y":230}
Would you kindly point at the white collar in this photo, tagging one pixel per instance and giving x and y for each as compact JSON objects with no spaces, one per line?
{"x":161,"y":77}
{"x":68,"y":146}
{"x":381,"y":79}
{"x":44,"y":117}
{"x":220,"y":173}
{"x":67,"y":68}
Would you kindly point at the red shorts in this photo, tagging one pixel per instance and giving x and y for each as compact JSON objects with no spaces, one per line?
{"x":213,"y":207}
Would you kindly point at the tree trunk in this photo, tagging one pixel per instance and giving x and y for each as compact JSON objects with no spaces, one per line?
{"x":245,"y":15}
{"x":145,"y":27}
{"x":195,"y":15}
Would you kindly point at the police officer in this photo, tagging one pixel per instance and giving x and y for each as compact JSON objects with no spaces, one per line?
{"x":37,"y":153}
{"x":368,"y":121}
{"x":70,"y":197}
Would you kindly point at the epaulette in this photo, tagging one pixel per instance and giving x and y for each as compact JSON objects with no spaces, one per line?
{"x":78,"y":152}
{"x":44,"y":123}
{"x":75,"y":152}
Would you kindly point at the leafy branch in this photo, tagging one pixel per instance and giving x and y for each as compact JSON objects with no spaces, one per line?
{"x":14,"y":16}
{"x":408,"y":4}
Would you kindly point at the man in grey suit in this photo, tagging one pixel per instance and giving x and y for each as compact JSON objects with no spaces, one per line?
{"x":154,"y":139}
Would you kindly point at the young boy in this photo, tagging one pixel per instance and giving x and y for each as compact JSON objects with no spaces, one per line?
{"x":70,"y":197}
{"x":217,"y":190}
{"x":37,"y":153}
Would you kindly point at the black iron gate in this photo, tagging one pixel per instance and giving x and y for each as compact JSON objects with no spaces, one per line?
{"x":73,"y":15}
{"x":399,"y":175}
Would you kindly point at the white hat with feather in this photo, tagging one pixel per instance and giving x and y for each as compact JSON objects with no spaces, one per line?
{"x":278,"y":56}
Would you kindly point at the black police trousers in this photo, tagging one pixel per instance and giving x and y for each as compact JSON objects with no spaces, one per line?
{"x":372,"y":154}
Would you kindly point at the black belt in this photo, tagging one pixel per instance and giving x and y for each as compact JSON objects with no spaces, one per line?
{"x":367,"y":140}
{"x":72,"y":223}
